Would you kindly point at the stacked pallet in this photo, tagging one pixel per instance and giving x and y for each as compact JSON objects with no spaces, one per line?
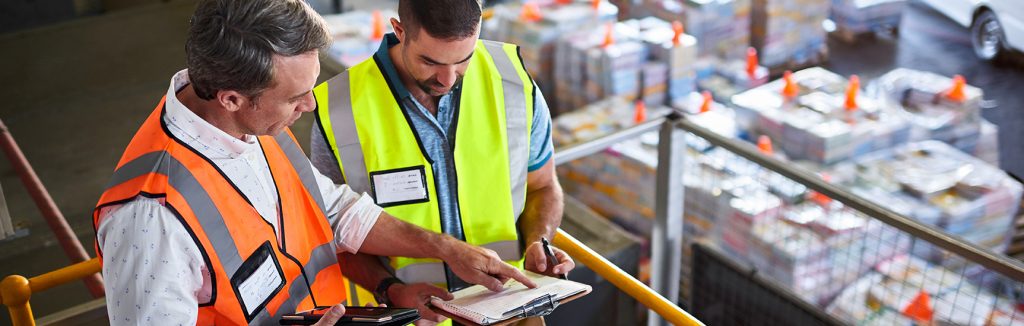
{"x":633,"y":59}
{"x":537,"y":27}
{"x":821,"y":117}
{"x":940,"y":186}
{"x":941,"y":108}
{"x":722,"y":27}
{"x":854,"y":17}
{"x":909,"y":291}
{"x":353,"y":41}
{"x":788,"y":34}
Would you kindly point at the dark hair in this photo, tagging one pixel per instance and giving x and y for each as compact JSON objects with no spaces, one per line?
{"x":231,"y":43}
{"x":443,"y":19}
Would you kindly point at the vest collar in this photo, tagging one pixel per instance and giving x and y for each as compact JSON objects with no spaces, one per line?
{"x":387,"y":67}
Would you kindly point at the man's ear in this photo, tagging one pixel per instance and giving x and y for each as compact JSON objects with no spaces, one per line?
{"x":232,"y":100}
{"x":399,"y":30}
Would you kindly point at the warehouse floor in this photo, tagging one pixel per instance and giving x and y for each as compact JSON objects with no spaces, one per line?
{"x":77,"y":91}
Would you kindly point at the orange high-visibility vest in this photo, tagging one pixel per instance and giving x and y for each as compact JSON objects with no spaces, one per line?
{"x":237,"y":244}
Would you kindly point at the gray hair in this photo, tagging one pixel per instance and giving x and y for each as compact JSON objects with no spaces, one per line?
{"x":231,"y":43}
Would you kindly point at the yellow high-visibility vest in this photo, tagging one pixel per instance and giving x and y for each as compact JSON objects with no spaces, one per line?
{"x":375,"y":145}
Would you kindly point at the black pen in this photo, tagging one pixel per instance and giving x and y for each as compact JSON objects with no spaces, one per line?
{"x":551,"y":256}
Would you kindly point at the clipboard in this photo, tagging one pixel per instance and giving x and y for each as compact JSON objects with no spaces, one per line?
{"x":512,"y":320}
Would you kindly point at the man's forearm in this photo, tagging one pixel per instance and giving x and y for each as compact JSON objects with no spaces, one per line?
{"x":393,"y":237}
{"x":363,"y":269}
{"x":543,"y":213}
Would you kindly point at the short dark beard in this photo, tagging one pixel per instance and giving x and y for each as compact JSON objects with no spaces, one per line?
{"x":425,"y":85}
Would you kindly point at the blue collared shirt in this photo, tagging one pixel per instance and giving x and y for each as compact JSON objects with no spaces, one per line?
{"x":437,"y":136}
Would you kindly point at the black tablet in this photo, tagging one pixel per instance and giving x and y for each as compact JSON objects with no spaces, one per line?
{"x":356,"y":316}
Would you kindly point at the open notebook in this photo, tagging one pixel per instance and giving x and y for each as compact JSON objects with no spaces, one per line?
{"x":481,"y":306}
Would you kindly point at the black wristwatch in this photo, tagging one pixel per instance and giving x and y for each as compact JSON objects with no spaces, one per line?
{"x":381,"y":292}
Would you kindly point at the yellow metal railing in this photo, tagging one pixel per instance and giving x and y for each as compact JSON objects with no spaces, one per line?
{"x":16,"y":290}
{"x":622,"y":280}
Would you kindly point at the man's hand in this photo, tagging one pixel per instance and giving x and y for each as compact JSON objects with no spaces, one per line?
{"x":537,"y":261}
{"x":418,"y":296}
{"x":472,"y":264}
{"x":332,"y":316}
{"x":481,"y":266}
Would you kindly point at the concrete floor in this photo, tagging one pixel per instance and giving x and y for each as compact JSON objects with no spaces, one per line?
{"x":76,"y":92}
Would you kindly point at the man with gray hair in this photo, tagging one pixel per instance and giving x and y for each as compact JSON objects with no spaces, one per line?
{"x":215,"y":216}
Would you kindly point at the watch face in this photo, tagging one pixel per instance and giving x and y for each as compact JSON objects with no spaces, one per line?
{"x":381,"y":299}
{"x":381,"y":292}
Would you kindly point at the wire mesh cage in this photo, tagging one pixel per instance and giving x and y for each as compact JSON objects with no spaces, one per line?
{"x":734,"y":294}
{"x":859,"y":268}
{"x":908,"y":236}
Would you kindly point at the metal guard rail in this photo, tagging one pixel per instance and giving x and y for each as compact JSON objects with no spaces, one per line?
{"x":999,"y":263}
{"x":16,"y":290}
{"x":622,"y":280}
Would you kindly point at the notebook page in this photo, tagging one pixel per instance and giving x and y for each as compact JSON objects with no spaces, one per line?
{"x":477,"y":301}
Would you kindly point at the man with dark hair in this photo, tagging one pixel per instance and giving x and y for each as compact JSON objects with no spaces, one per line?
{"x":215,"y":216}
{"x":447,"y":132}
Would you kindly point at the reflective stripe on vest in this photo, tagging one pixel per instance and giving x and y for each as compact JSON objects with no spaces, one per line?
{"x":345,"y":141}
{"x":301,"y":165}
{"x":515,"y":117}
{"x":368,"y":132}
{"x":209,"y":216}
{"x":148,"y":161}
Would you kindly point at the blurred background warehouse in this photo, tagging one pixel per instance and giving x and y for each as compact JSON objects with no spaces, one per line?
{"x":915,"y":106}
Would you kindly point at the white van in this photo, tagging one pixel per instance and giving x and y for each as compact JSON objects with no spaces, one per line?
{"x":997,"y":26}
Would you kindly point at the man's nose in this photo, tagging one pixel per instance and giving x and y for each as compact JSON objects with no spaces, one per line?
{"x":447,"y":76}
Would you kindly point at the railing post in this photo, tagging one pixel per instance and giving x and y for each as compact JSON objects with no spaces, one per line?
{"x":51,"y":213}
{"x":667,"y":236}
{"x":14,"y":293}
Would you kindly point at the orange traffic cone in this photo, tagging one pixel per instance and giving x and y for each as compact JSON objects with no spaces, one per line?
{"x":639,"y":112}
{"x":820,"y":198}
{"x":677,"y":31}
{"x":751,"y":62}
{"x":764,"y":144}
{"x":920,"y":308}
{"x":609,"y":35}
{"x":376,"y":26}
{"x":705,"y":105}
{"x":789,"y":90}
{"x":851,"y":94}
{"x":956,"y":92}
{"x":531,"y":12}
{"x":595,"y":4}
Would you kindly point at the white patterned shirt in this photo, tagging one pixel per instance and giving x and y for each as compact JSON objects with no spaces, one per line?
{"x":153,"y":272}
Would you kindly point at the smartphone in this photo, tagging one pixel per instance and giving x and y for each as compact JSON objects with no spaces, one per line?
{"x":352,"y":315}
{"x":307,"y":317}
{"x":369,"y":314}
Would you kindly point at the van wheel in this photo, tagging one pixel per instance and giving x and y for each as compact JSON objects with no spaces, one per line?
{"x":987,"y":37}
